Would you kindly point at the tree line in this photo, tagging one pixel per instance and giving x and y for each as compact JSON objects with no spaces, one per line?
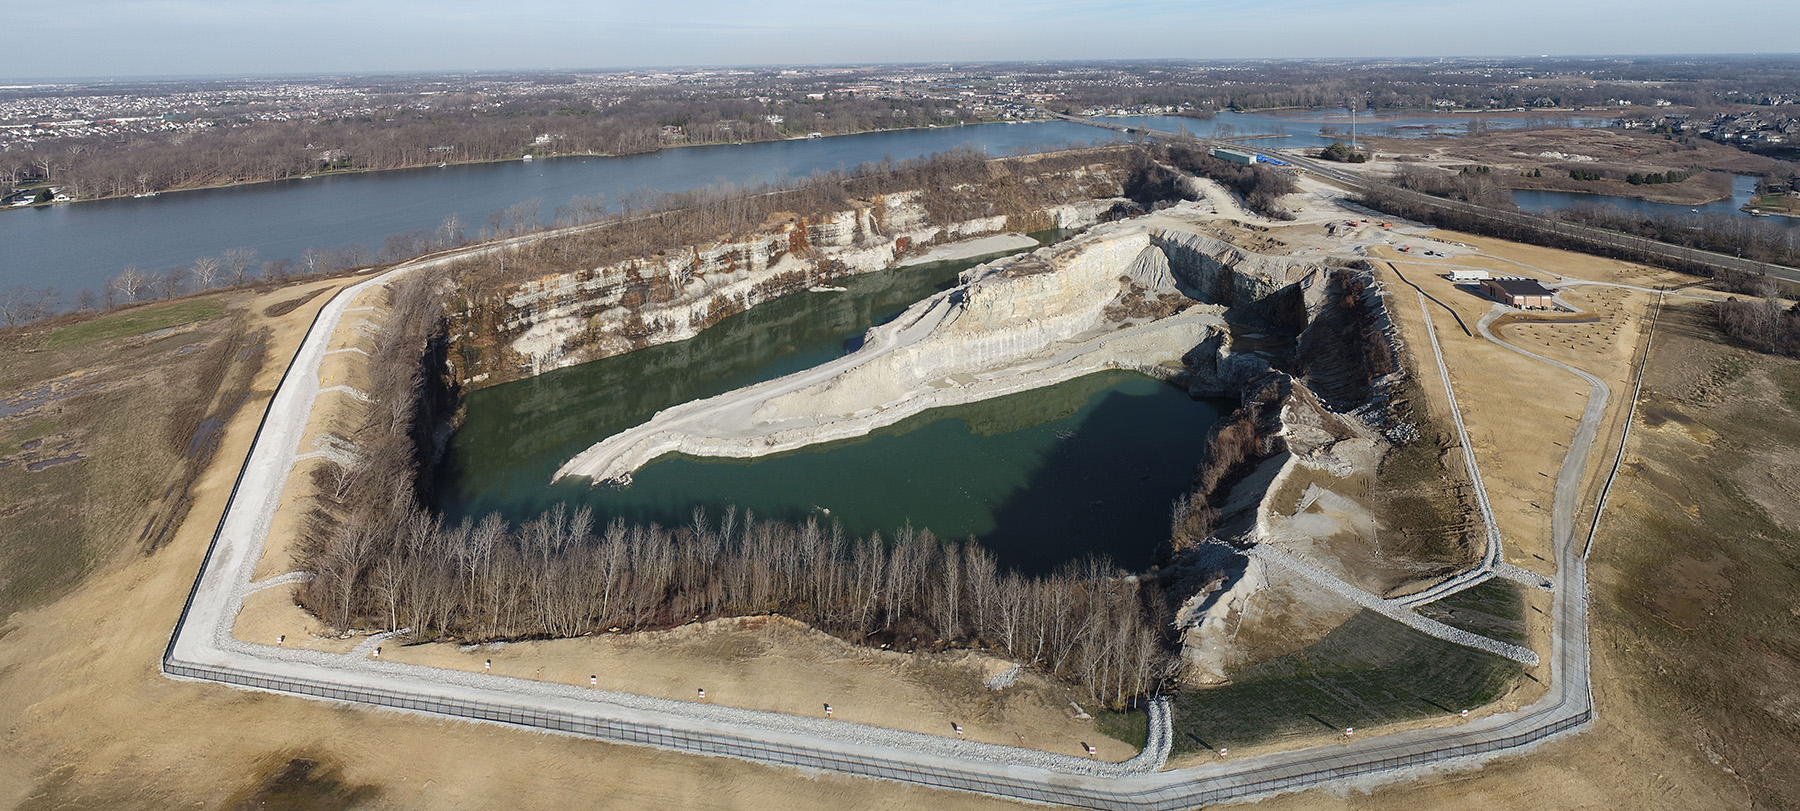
{"x":1261,"y":186}
{"x":380,"y":559}
{"x":1468,"y":185}
{"x":1728,"y":234}
{"x":1763,"y":323}
{"x":414,"y":135}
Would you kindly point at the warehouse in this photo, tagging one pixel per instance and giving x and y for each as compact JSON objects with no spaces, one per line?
{"x":1233,"y":156}
{"x":1519,"y":292}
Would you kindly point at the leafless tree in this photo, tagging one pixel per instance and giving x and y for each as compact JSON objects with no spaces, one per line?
{"x":237,"y":262}
{"x":205,"y":272}
{"x":22,"y":305}
{"x":130,"y":283}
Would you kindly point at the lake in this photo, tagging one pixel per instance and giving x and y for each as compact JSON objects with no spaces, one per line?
{"x":1041,"y":477}
{"x":1743,"y":188}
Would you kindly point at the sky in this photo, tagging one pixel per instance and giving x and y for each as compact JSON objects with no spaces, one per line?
{"x":127,"y":38}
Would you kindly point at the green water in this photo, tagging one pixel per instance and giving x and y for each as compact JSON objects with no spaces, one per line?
{"x":1041,"y":477}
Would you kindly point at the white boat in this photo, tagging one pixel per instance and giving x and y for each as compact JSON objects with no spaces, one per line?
{"x":147,"y":194}
{"x":826,"y":289}
{"x":526,"y":158}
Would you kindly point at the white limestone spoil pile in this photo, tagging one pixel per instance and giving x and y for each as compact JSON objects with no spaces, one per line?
{"x":1012,"y":325}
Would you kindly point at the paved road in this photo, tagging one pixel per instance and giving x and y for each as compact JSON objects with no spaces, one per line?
{"x":203,"y":648}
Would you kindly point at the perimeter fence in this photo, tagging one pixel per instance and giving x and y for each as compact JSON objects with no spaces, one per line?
{"x":1001,"y":781}
{"x":1170,"y":791}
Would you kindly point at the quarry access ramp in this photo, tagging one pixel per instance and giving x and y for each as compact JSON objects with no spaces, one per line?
{"x":203,"y":648}
{"x":1493,"y":555}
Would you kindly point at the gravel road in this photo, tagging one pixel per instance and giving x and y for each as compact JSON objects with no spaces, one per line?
{"x":203,"y":648}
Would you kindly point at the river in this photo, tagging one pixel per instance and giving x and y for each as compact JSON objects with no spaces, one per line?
{"x":1042,"y":477}
{"x":84,"y":245}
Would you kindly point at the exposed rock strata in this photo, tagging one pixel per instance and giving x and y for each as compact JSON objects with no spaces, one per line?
{"x":1012,"y":325}
{"x":1333,"y":420}
{"x":570,"y":318}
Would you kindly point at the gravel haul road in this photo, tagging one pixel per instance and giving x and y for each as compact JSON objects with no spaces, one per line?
{"x":203,"y":648}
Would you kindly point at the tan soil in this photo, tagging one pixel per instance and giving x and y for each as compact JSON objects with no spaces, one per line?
{"x":288,"y":523}
{"x":271,"y":614}
{"x":776,"y":664}
{"x":90,"y":723}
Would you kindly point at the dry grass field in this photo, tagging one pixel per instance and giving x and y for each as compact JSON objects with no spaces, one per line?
{"x":1695,"y":653}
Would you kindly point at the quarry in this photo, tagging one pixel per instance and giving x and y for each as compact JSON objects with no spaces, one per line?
{"x":1333,"y":560}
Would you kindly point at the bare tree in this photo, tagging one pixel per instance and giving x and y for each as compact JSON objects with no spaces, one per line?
{"x":205,"y":272}
{"x":237,"y":262}
{"x":23,"y":305}
{"x":450,"y":233}
{"x":130,"y":283}
{"x":314,"y":261}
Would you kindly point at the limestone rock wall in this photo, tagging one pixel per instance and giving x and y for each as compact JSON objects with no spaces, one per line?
{"x":569,"y":318}
{"x":1273,"y":288}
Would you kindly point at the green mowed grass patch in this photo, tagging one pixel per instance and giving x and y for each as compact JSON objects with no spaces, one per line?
{"x":135,"y":322}
{"x":1131,"y":726}
{"x":1495,"y":609}
{"x":1370,"y":671}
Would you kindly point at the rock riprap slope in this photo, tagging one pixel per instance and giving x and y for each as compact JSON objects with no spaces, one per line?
{"x":1121,"y":297}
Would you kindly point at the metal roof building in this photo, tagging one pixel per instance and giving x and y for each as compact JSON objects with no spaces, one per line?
{"x":1519,"y":292}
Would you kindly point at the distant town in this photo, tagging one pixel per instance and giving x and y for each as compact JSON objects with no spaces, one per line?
{"x":94,"y":139}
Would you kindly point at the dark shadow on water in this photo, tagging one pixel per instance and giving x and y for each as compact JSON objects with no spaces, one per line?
{"x":1040,"y":478}
{"x":1106,"y":489}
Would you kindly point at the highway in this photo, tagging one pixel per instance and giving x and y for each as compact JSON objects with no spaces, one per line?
{"x":203,"y":648}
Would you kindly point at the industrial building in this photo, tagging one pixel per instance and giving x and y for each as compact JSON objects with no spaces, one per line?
{"x":1519,"y":292}
{"x":1469,"y":275}
{"x":1247,"y":158}
{"x":1234,"y":157}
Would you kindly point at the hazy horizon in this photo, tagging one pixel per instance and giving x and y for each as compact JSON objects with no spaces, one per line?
{"x":173,"y":39}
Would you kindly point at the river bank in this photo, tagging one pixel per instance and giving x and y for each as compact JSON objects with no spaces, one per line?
{"x":523,"y":157}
